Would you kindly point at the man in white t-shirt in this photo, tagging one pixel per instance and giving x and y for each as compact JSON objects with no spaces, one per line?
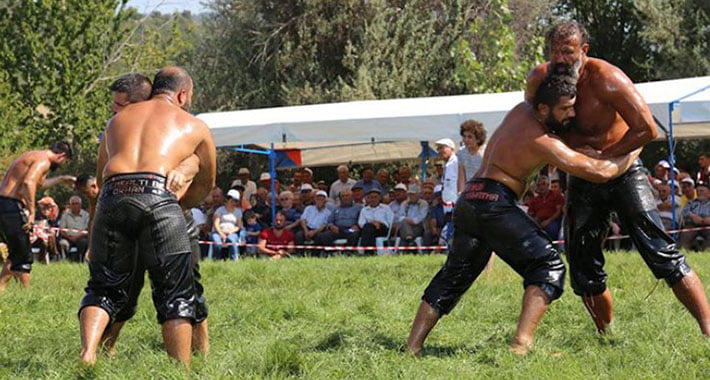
{"x":343,"y":182}
{"x":244,"y":180}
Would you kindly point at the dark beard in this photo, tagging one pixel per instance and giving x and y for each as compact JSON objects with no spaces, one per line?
{"x":556,"y":127}
{"x":53,"y":166}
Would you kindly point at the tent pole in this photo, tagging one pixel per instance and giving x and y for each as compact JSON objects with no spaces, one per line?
{"x":272,"y":172}
{"x":425,"y":157}
{"x":671,"y":161}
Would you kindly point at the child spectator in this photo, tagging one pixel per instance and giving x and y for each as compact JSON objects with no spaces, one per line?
{"x":252,"y":229}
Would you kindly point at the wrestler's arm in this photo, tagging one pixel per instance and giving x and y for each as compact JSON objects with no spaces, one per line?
{"x":617,"y":90}
{"x":65,"y":179}
{"x":557,"y":153}
{"x":180,"y":178}
{"x":35,"y":172}
{"x":204,"y":180}
{"x":535,"y":77}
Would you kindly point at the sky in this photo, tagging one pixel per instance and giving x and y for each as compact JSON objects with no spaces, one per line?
{"x":168,"y":6}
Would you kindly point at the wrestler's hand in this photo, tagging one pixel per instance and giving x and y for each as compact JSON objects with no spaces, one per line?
{"x":176,"y":181}
{"x":589,"y":151}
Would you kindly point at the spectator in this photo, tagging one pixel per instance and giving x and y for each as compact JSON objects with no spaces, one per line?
{"x":41,"y":235}
{"x":412,"y":217}
{"x":343,"y":182}
{"x":342,"y":223}
{"x":449,"y":193}
{"x":252,"y":228}
{"x":470,"y":158}
{"x":383,"y":178}
{"x":306,"y":195}
{"x":265,"y":181}
{"x":244,"y":202}
{"x":272,"y":240}
{"x":555,"y":174}
{"x":307,"y":176}
{"x":217,"y":197}
{"x":202,"y":224}
{"x":358,"y":195}
{"x":556,"y":186}
{"x":297,"y":181}
{"x":400,"y":195}
{"x":687,"y":187}
{"x":405,"y":176}
{"x":262,"y":206}
{"x":704,"y":172}
{"x":321,"y":185}
{"x":396,"y":177}
{"x":697,"y":214}
{"x":546,"y":208}
{"x":375,"y":219}
{"x":246,"y":182}
{"x":75,"y":219}
{"x":428,"y":192}
{"x":314,"y":220}
{"x":293,"y":215}
{"x":368,"y":180}
{"x":298,"y":203}
{"x":661,"y":170}
{"x":437,"y":218}
{"x":227,"y":222}
{"x":438,"y":172}
{"x":665,"y":207}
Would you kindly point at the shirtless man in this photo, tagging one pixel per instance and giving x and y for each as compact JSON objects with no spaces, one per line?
{"x":144,"y":142}
{"x":486,"y":217}
{"x":128,"y":89}
{"x":613,"y":118}
{"x":17,"y":206}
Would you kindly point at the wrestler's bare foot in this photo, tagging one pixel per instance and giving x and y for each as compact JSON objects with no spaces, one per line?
{"x":520,"y":346}
{"x":88,"y":358}
{"x":414,"y":351}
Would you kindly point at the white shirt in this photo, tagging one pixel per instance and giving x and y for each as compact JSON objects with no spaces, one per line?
{"x":198,"y":216}
{"x":381,"y":213}
{"x":315,"y":218}
{"x":228,"y":220}
{"x":450,"y":182}
{"x":74,"y":222}
{"x":415,"y":211}
{"x":339,"y":186}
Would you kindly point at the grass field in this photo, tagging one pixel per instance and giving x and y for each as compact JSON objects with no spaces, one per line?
{"x":349,"y":318}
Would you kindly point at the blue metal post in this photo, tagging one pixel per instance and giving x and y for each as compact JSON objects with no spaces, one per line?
{"x":425,"y":157}
{"x":671,"y":159}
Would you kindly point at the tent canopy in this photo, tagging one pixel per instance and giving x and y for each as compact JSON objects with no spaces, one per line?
{"x":429,"y":119}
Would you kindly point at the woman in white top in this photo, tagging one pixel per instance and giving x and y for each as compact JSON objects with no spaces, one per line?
{"x":227,"y":222}
{"x":474,"y":136}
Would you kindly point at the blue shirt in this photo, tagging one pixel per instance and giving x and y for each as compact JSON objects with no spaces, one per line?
{"x":315,"y":218}
{"x":415,"y":211}
{"x":256,"y":227}
{"x":345,"y":217}
{"x":367,"y":186}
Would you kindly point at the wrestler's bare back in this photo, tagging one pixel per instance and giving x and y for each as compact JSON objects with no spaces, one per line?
{"x":20,"y":170}
{"x":151,"y":136}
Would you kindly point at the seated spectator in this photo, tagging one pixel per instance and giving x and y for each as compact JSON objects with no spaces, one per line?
{"x":665,"y":206}
{"x":343,"y":182}
{"x":556,"y":186}
{"x":437,"y":219}
{"x":358,"y":195}
{"x":428,"y":192}
{"x":400,"y":195}
{"x":243,"y":202}
{"x":307,"y":195}
{"x":265,"y":181}
{"x":555,"y":175}
{"x":75,"y":219}
{"x":296,"y":181}
{"x":405,"y":176}
{"x":375,"y":219}
{"x":39,"y":237}
{"x":412,"y":217}
{"x":383,"y":178}
{"x":661,"y":170}
{"x":252,"y":230}
{"x":272,"y":240}
{"x":687,"y":188}
{"x":217,"y":197}
{"x":314,"y":220}
{"x":246,"y":182}
{"x":227,"y":222}
{"x":546,"y":208}
{"x":321,"y":185}
{"x":50,"y":212}
{"x":438,"y":172}
{"x":368,"y":180}
{"x":262,"y":206}
{"x":307,"y":176}
{"x":293,"y":215}
{"x":697,"y":214}
{"x":342,"y":223}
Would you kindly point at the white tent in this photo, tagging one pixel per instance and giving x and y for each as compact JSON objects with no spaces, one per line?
{"x":428,"y":119}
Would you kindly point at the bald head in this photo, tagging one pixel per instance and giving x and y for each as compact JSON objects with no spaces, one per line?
{"x":176,"y":83}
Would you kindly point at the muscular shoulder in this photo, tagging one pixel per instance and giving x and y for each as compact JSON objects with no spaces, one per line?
{"x":605,"y":78}
{"x":535,"y":77}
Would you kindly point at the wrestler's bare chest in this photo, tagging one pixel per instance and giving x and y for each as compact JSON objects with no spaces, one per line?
{"x":596,"y":123}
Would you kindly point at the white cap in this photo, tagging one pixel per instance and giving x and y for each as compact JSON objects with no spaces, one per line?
{"x":234,"y":194}
{"x":438,"y":188}
{"x":265,"y":177}
{"x":308,"y":170}
{"x":306,"y":187}
{"x":243,"y":171}
{"x":688,"y":180}
{"x":401,"y":186}
{"x":664,"y":164}
{"x":447,"y":141}
{"x":321,"y":193}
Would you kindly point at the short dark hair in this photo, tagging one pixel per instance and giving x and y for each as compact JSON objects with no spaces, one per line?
{"x":170,"y":80}
{"x":366,"y":168}
{"x":703,"y":184}
{"x":249,"y":214}
{"x":475,"y":127}
{"x":83,"y":180}
{"x":62,"y":147}
{"x":553,"y":88}
{"x":563,"y":30}
{"x":136,"y":86}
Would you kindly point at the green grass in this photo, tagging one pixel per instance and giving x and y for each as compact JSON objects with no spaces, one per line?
{"x":349,"y":318}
